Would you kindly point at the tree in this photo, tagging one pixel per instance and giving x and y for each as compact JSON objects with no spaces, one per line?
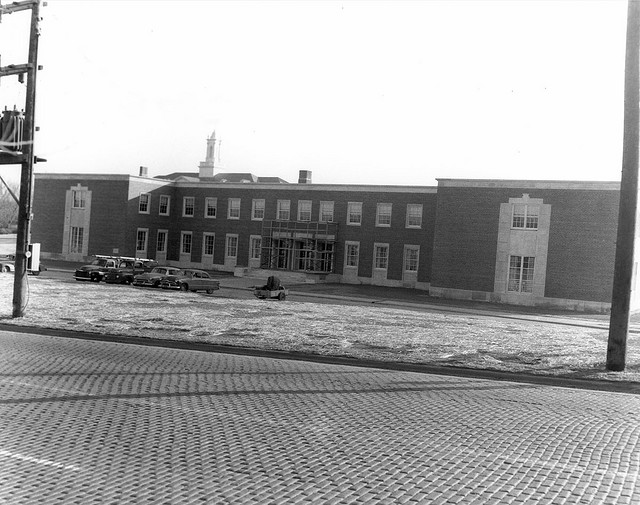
{"x":8,"y":207}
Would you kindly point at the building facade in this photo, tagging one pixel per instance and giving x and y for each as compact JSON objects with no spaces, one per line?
{"x":542,"y":243}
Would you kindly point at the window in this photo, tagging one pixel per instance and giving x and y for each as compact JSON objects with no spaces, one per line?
{"x":283,"y":211}
{"x":381,"y":256}
{"x":521,"y":274}
{"x":143,"y":203}
{"x":256,"y":248}
{"x":164,"y":205}
{"x":232,"y":246}
{"x":326,"y":212}
{"x":414,"y":215}
{"x":525,"y":216}
{"x":79,"y":199}
{"x":161,"y":243}
{"x":383,"y":214}
{"x":141,"y":241}
{"x":210,"y":207}
{"x":233,"y":211}
{"x":185,"y":242}
{"x":77,"y":239}
{"x":352,"y":254}
{"x":354,"y":213}
{"x":188,"y":206}
{"x":257,"y":210}
{"x":208,"y":244}
{"x":411,"y":253}
{"x":304,"y":210}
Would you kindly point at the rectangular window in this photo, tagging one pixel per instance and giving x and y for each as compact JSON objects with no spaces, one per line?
{"x":304,"y":210}
{"x":257,"y":210}
{"x":521,"y":274}
{"x":232,"y":246}
{"x":352,"y":254}
{"x":188,"y":206}
{"x":210,"y":207}
{"x":141,"y":241}
{"x":79,"y":200}
{"x":326,"y":212}
{"x":411,"y":254}
{"x":381,"y":256}
{"x":77,"y":239}
{"x":185,"y":242}
{"x":233,"y":211}
{"x":208,"y":244}
{"x":256,"y":248}
{"x":525,"y":216}
{"x":163,"y":210}
{"x":283,"y":212}
{"x":383,"y":214}
{"x":161,"y":244}
{"x":354,"y":213}
{"x":143,"y":203}
{"x":414,"y":215}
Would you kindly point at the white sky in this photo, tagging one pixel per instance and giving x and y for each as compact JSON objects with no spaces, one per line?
{"x":355,"y":91}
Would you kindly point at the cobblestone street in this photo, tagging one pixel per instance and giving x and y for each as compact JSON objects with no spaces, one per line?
{"x":96,"y":422}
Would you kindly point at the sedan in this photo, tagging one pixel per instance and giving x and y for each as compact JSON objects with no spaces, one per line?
{"x":190,"y":280}
{"x":153,"y":278}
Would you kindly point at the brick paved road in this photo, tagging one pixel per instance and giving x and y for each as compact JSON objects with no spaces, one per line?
{"x":91,"y":422}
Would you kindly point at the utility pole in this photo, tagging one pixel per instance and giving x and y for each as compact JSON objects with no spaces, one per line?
{"x":625,"y":244}
{"x":27,"y":159}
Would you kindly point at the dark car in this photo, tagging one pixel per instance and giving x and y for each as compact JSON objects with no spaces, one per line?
{"x":190,"y":279}
{"x":152,"y":279}
{"x":96,"y":270}
{"x":127,"y":269}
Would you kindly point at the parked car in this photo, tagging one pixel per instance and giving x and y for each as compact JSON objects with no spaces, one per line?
{"x":96,"y":270}
{"x":153,"y":278}
{"x":190,"y":279}
{"x":7,"y":264}
{"x":127,"y":269}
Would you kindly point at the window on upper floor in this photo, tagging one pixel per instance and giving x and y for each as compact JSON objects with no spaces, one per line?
{"x":304,"y":210}
{"x":210,"y":207}
{"x":354,"y":213}
{"x":525,"y":216}
{"x":188,"y":206}
{"x":383,"y":214}
{"x":326,"y":212}
{"x":414,"y":215}
{"x":283,"y":210}
{"x":257,"y":209}
{"x":163,"y":209}
{"x":78,"y":199}
{"x":143,"y":203}
{"x":233,"y":211}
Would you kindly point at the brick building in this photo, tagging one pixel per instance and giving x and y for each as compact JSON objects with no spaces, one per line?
{"x":519,"y":242}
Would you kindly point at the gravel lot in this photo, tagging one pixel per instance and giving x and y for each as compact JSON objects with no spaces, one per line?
{"x":370,"y":332}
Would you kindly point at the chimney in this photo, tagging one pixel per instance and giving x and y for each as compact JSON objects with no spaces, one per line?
{"x":144,"y":172}
{"x":304,"y":177}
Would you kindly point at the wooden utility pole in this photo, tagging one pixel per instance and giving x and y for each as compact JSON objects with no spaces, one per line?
{"x":625,"y":245}
{"x":27,"y":159}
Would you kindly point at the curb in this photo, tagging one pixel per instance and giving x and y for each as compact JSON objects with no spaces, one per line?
{"x":472,"y":373}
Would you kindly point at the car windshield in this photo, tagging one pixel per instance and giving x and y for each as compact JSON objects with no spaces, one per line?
{"x":99,"y":262}
{"x":159,"y":270}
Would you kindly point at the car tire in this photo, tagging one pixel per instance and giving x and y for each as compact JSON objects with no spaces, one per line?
{"x":156,"y":284}
{"x":282,"y":296}
{"x":5,"y":268}
{"x":209,"y":291}
{"x":184,"y":287}
{"x":95,"y":278}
